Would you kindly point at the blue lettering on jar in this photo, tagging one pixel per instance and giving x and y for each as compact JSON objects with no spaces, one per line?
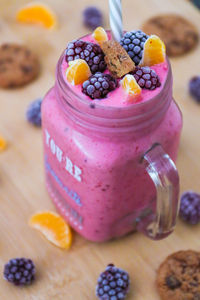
{"x":65,"y":207}
{"x":72,"y":194}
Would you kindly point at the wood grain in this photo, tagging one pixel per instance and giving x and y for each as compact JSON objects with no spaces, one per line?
{"x":72,"y":274}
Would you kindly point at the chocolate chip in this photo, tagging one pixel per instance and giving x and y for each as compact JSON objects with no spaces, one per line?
{"x":2,"y":69}
{"x":16,"y":49}
{"x":27,"y":53}
{"x":26,"y":69}
{"x":5,"y":46}
{"x":9,"y":60}
{"x":11,"y":84}
{"x":193,"y":283}
{"x":172,"y":282}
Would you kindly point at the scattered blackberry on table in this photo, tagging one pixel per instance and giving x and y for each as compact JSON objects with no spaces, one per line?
{"x":133,"y":43}
{"x":190,"y":207}
{"x":196,"y":2}
{"x":112,"y":284}
{"x":33,"y":113}
{"x":146,"y":78}
{"x":20,"y":271}
{"x":92,"y":17}
{"x":90,"y":52}
{"x":194,"y":88}
{"x":99,"y":85}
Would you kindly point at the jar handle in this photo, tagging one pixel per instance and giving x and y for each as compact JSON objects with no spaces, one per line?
{"x":160,"y":219}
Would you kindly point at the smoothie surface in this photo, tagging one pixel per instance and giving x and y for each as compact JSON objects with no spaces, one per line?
{"x":117,"y":98}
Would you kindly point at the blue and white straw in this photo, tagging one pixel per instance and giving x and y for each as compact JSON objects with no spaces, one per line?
{"x":115,"y":7}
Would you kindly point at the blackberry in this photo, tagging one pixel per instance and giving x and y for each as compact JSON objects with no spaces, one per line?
{"x":99,"y":85}
{"x":20,"y":271}
{"x":90,"y":52}
{"x":92,"y":17}
{"x":194,"y":88}
{"x":146,"y":78}
{"x":197,"y":3}
{"x":133,"y":43}
{"x":113,"y":284}
{"x":33,"y":113}
{"x":190,"y":207}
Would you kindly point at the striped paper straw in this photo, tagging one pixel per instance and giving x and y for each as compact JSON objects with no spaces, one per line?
{"x":116,"y":19}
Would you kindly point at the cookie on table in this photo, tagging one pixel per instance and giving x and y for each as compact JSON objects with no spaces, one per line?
{"x":178,"y":34}
{"x":18,"y":65}
{"x":178,"y":277}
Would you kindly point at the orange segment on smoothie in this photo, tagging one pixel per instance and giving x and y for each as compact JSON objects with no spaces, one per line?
{"x":154,"y":51}
{"x":37,"y":13}
{"x":78,"y":71}
{"x":131,"y":87}
{"x":100,"y":35}
{"x":53,"y":227}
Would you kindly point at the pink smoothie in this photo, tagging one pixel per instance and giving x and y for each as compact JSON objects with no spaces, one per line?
{"x":92,"y":156}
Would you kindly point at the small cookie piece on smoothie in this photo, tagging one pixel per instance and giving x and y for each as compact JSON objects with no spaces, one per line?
{"x":118,"y":61}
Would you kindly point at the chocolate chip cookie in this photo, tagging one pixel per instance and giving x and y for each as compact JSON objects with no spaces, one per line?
{"x":178,"y":277}
{"x":178,"y":34}
{"x":18,"y":65}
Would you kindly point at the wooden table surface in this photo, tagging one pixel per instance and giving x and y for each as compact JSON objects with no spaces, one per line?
{"x":72,"y":274}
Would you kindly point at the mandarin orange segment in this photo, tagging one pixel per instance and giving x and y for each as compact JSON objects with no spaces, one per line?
{"x":78,"y":71}
{"x":37,"y":13}
{"x":131,"y":87}
{"x":100,"y":35}
{"x":3,"y":144}
{"x":154,"y":51}
{"x":53,"y":227}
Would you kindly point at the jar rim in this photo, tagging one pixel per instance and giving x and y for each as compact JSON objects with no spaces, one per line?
{"x":66,"y":88}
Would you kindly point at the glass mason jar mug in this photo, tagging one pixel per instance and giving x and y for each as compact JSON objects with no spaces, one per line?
{"x":110,"y":170}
